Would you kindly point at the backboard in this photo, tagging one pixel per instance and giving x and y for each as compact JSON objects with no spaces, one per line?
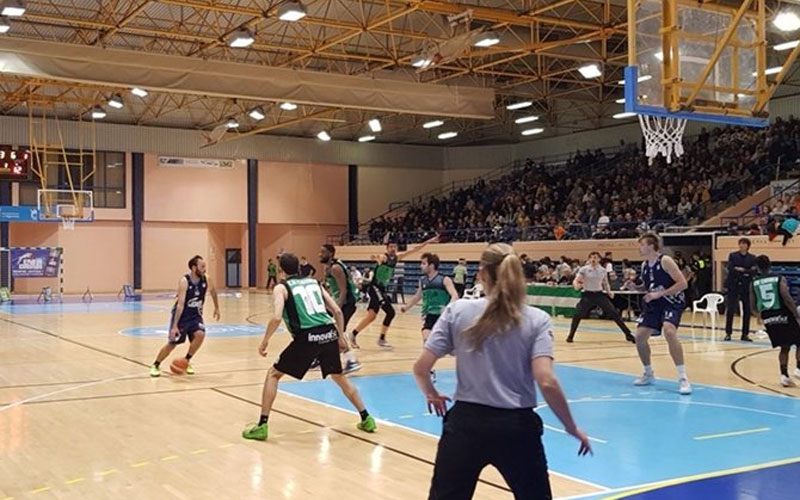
{"x":58,"y":205}
{"x":698,"y":61}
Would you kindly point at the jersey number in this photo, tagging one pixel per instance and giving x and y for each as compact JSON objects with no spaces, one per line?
{"x":767,"y":295}
{"x":311,"y":297}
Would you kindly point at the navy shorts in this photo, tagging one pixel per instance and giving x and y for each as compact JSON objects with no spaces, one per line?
{"x":186,"y":328}
{"x":656,"y":313}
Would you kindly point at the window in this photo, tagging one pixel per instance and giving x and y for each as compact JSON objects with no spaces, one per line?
{"x":107,"y":183}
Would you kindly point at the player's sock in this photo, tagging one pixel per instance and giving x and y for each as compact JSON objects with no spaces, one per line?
{"x":188,"y":356}
{"x":157,"y":364}
{"x":682,"y":371}
{"x":355,"y":333}
{"x":648,"y":369}
{"x":263,"y":419}
{"x":350,"y":357}
{"x":383,"y":336}
{"x":364,"y":414}
{"x":785,"y":369}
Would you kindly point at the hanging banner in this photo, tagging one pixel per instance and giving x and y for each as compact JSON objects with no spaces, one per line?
{"x":174,"y":161}
{"x":32,"y":262}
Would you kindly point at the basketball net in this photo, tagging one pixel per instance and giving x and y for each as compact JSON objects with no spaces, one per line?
{"x":68,"y":223}
{"x":662,"y":135}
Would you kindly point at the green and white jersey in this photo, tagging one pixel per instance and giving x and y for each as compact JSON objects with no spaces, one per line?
{"x":352,"y":291}
{"x":385,"y":272}
{"x":305,"y":311}
{"x":434,"y":295}
{"x":767,"y":290}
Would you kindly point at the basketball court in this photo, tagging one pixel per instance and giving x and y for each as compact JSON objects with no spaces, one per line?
{"x":97,"y":221}
{"x":81,"y":418}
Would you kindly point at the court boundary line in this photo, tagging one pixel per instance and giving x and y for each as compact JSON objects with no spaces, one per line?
{"x":434,"y":436}
{"x":628,"y":491}
{"x":735,"y":363}
{"x":351,"y":435}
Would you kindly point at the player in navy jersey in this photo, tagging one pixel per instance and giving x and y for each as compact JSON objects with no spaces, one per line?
{"x":664,"y":303}
{"x":187,"y":314}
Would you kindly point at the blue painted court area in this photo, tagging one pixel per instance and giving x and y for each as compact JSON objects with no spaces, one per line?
{"x":640,"y":435}
{"x":79,"y":308}
{"x":212,"y":330}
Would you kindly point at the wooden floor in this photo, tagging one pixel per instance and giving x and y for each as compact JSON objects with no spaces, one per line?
{"x":81,"y":418}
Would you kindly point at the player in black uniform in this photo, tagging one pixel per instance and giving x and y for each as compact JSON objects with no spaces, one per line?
{"x":344,"y":292}
{"x":378,"y":298}
{"x":187,"y":314}
{"x":773,"y":304}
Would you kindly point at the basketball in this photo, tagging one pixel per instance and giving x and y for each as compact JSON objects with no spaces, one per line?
{"x":178,"y":366}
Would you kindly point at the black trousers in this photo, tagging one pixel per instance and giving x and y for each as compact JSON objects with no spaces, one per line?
{"x":460,"y":287}
{"x":737,"y":292}
{"x":273,"y":280}
{"x":590,"y":300}
{"x":476,"y":436}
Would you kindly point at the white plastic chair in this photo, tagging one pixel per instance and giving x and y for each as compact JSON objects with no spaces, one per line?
{"x":475,"y":292}
{"x":712,"y":301}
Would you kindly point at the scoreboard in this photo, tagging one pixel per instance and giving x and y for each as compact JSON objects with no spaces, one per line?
{"x":14,"y":163}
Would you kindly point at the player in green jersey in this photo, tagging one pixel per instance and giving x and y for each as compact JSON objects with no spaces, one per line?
{"x":435,"y":290}
{"x":303,"y":305}
{"x":344,"y":292}
{"x":773,"y":304}
{"x":382,"y":277}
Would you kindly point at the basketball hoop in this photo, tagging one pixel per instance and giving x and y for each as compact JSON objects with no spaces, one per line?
{"x":662,"y":135}
{"x":68,"y":223}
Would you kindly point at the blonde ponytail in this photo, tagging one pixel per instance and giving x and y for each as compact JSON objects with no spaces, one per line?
{"x":507,"y":298}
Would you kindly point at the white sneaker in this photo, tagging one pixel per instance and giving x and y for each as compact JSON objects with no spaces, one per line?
{"x":383,"y":344}
{"x":787,"y":382}
{"x":684,"y":387}
{"x":645,"y":379}
{"x":797,"y":372}
{"x":350,"y":367}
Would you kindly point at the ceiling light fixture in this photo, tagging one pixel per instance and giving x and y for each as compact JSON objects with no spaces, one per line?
{"x":115,"y":101}
{"x":786,"y":45}
{"x":421,"y":62}
{"x":532,"y":131}
{"x":98,"y":113}
{"x":590,"y":71}
{"x":486,"y":39}
{"x":232,"y":123}
{"x":433,"y":124}
{"x":12,"y":8}
{"x":257,"y":114}
{"x":519,"y":105}
{"x":786,"y":21}
{"x":240,"y":39}
{"x":366,"y":138}
{"x":622,"y":116}
{"x":375,"y":125}
{"x":526,"y":119}
{"x":4,"y":26}
{"x":447,"y":135}
{"x":139,"y":92}
{"x":291,"y":11}
{"x":288,"y":106}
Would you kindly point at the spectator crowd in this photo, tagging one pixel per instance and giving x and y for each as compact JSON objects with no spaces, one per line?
{"x":598,"y":196}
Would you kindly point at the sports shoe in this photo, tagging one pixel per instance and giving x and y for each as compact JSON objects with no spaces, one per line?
{"x":727,"y":338}
{"x":645,"y":379}
{"x":314,"y":365}
{"x":189,"y":370}
{"x":382,"y":343}
{"x":797,"y":372}
{"x":630,"y":338}
{"x":570,"y":339}
{"x":746,"y":339}
{"x":351,"y":366}
{"x":257,"y":432}
{"x":787,"y":382}
{"x":155,"y":371}
{"x":367,"y":425}
{"x":684,"y":387}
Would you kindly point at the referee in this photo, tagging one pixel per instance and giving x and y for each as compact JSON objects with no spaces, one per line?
{"x":593,"y":279}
